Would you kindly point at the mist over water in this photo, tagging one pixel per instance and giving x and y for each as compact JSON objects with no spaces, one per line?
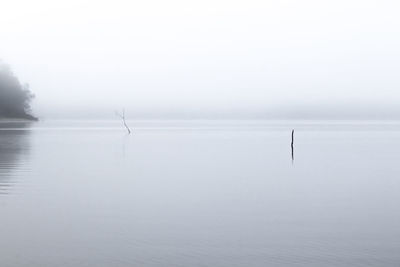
{"x":253,"y":133}
{"x":181,"y":59}
{"x":199,"y":193}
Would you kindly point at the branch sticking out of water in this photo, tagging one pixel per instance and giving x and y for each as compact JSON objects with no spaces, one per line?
{"x":122,"y":116}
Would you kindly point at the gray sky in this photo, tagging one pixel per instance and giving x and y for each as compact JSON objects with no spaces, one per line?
{"x":287,"y":58}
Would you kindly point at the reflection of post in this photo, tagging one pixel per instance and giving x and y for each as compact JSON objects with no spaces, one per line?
{"x":292,"y":145}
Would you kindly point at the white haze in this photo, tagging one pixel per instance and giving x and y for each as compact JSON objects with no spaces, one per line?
{"x":294,"y":59}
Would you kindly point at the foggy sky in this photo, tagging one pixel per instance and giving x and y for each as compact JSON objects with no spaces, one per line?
{"x":290,"y":58}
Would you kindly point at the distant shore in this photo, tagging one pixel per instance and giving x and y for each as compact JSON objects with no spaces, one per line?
{"x":27,"y":118}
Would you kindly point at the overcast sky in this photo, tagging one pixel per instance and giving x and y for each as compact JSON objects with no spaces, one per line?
{"x":290,"y":58}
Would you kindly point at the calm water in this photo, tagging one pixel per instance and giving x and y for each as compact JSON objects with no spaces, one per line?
{"x":199,"y":194}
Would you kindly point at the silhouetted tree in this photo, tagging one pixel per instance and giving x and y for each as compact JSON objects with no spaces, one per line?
{"x":15,"y":97}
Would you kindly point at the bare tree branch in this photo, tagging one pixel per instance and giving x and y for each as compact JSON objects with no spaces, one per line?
{"x":122,"y":117}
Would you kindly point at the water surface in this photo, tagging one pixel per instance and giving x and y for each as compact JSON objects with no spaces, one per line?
{"x":199,"y":193}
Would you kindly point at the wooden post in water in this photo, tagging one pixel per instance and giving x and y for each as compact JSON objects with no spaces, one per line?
{"x":291,"y":144}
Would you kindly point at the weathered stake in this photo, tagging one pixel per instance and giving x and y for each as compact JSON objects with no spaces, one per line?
{"x":292,"y":143}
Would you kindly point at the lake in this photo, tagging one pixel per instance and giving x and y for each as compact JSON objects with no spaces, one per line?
{"x":199,"y":193}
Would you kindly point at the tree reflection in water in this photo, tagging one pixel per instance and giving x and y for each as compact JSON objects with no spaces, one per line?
{"x":14,"y":149}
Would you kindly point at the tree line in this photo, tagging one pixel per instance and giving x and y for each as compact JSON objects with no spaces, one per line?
{"x":15,"y":97}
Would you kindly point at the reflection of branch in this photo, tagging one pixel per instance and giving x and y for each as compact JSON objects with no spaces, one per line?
{"x":122,"y":116}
